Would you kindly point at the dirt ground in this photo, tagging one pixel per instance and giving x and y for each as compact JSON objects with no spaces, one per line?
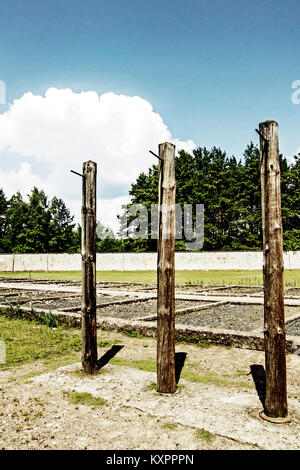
{"x":217,"y":411}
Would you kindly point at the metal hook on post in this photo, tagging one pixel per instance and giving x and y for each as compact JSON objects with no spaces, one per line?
{"x":157,"y":156}
{"x":261,"y":135}
{"x":75,"y":173}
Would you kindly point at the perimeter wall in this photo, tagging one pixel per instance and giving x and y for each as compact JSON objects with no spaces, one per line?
{"x":246,"y":260}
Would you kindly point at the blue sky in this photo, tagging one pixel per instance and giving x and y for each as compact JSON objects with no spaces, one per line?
{"x":211,"y":69}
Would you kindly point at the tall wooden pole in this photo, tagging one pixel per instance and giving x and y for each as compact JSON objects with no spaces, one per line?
{"x":166,"y":382}
{"x":274,"y":327}
{"x":88,"y":304}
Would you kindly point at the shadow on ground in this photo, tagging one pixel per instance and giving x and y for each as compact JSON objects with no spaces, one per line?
{"x":259,"y":377}
{"x":103,"y":360}
{"x":179,"y":363}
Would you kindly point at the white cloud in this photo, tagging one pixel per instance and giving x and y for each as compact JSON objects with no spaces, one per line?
{"x":22,"y":180}
{"x":187,"y":145}
{"x":63,"y":129}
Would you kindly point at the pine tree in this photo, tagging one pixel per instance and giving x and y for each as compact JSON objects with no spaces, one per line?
{"x":4,"y":242}
{"x":61,"y":227}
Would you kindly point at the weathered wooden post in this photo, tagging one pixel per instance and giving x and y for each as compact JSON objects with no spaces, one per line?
{"x":88,"y":250}
{"x":166,"y":382}
{"x":274,"y":327}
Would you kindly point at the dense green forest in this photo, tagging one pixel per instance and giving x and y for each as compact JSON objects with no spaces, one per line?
{"x":228,"y":188}
{"x":37,"y":226}
{"x":230,"y":192}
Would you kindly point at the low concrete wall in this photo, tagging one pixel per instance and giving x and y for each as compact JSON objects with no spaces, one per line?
{"x":31,"y":262}
{"x":64,"y":262}
{"x":6,"y":263}
{"x":292,"y":260}
{"x":246,"y":260}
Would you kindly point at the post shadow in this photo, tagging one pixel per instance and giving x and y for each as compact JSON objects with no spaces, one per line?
{"x":259,"y":377}
{"x":103,"y":360}
{"x":179,"y":363}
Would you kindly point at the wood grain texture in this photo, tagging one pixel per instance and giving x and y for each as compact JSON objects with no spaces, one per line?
{"x":166,"y":382}
{"x":88,"y":304}
{"x":274,"y":327}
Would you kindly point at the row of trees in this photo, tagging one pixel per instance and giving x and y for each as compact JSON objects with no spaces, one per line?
{"x":38,"y":225}
{"x":228,"y":188}
{"x":230,"y":191}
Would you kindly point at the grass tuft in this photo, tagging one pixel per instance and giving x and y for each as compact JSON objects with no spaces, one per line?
{"x":169,"y":426}
{"x":85,"y":398}
{"x":204,"y":435}
{"x":133,"y":334}
{"x":152,"y":386}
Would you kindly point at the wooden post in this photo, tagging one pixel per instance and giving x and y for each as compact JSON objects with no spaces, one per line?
{"x":274,"y":327}
{"x":88,"y":250}
{"x":166,"y":382}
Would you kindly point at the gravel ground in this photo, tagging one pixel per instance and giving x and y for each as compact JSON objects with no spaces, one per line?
{"x":293,"y":328}
{"x":4,"y":293}
{"x":140,"y":309}
{"x":231,"y":290}
{"x":293,"y":292}
{"x":28,"y":298}
{"x":139,"y":287}
{"x":127,"y":286}
{"x":57,"y":304}
{"x":238,"y":292}
{"x":229,"y":317}
{"x":73,"y":302}
{"x":236,"y":317}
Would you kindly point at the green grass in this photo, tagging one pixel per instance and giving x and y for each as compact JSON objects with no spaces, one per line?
{"x":24,"y":377}
{"x":201,"y":343}
{"x":152,"y":386}
{"x":204,"y":435}
{"x":27,"y":341}
{"x":85,"y":398}
{"x":238,"y":277}
{"x":55,"y":275}
{"x":133,"y":334}
{"x":186,"y":374}
{"x":142,"y":364}
{"x":45,"y":318}
{"x":241,"y":373}
{"x":214,"y":379}
{"x":169,"y":426}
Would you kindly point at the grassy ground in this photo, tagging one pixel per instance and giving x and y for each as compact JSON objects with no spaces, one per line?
{"x":28,"y":341}
{"x":245,"y":278}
